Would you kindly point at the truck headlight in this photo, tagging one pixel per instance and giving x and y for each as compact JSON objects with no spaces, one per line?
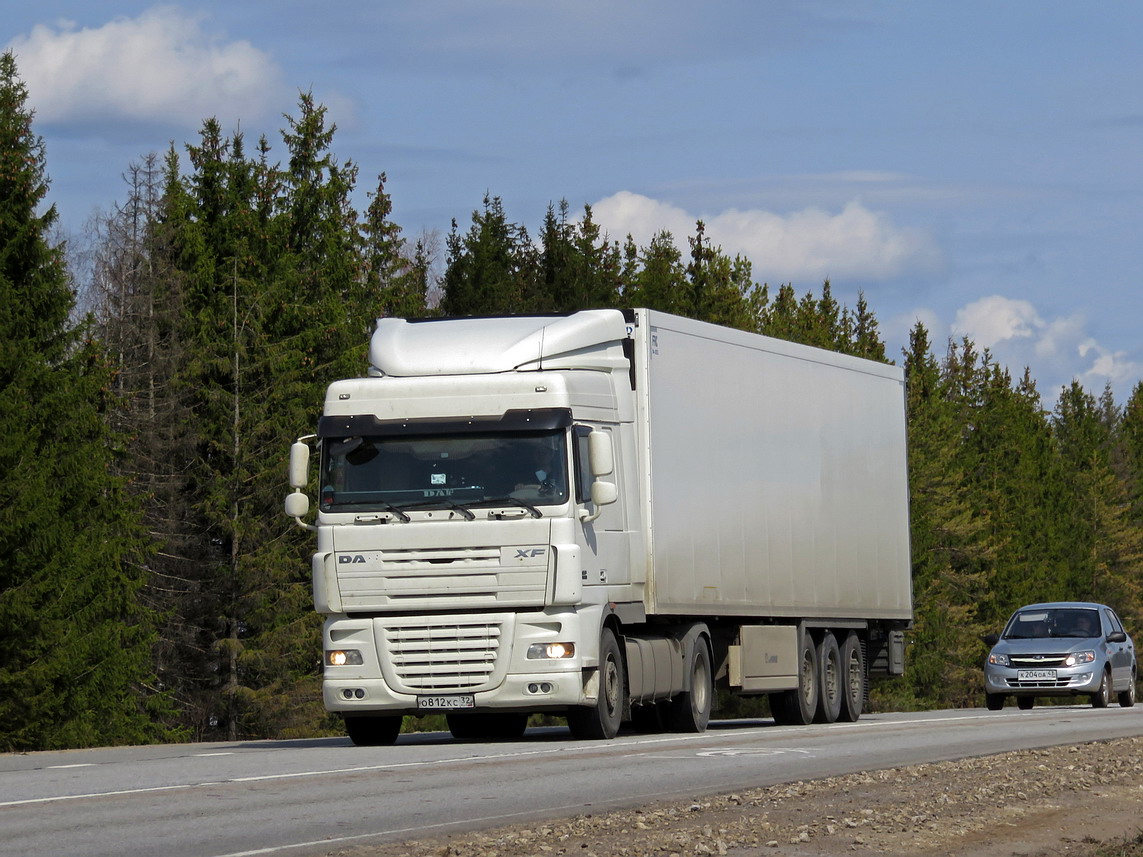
{"x":551,"y":651}
{"x":343,"y":658}
{"x":998,"y":660}
{"x":1079,"y":658}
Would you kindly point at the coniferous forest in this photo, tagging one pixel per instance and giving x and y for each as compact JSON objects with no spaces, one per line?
{"x":151,"y":588}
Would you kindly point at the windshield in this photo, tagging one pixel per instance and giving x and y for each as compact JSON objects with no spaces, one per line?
{"x":404,"y":472}
{"x":1061,"y":622}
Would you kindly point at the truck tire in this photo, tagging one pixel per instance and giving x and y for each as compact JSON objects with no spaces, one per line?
{"x":602,"y":720}
{"x":797,"y":707}
{"x":852,"y":678}
{"x":487,"y":726}
{"x":830,"y":684}
{"x":690,"y":711}
{"x":373,"y":731}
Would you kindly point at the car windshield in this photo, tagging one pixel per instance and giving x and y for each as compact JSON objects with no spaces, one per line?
{"x":1053,"y":622}
{"x":387,"y":473}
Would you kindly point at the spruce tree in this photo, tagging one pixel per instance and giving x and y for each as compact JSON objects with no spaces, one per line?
{"x":75,"y":644}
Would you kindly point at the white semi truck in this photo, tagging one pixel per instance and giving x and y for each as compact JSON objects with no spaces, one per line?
{"x":605,"y":515}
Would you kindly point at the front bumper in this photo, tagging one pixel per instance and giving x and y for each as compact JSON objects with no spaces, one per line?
{"x":1068,"y":681}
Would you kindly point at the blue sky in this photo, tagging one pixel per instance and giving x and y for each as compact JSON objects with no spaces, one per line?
{"x":974,"y":165}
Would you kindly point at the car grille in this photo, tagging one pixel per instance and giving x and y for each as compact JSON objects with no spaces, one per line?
{"x":438,"y":658}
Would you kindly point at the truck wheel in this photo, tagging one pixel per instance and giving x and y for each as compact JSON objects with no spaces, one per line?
{"x":602,"y":720}
{"x":830,"y":685}
{"x":994,"y":701}
{"x":797,"y":707}
{"x":1102,"y":697}
{"x":690,"y":711}
{"x":1127,"y":697}
{"x":376,"y":731}
{"x":487,"y":725}
{"x":852,"y":678}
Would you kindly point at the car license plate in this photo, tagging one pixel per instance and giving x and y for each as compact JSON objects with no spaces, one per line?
{"x":1036,"y":675}
{"x":445,"y":703}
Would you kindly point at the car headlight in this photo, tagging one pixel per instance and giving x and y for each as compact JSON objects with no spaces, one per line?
{"x":551,"y":651}
{"x":1079,"y":658}
{"x":343,"y":658}
{"x":998,"y":660}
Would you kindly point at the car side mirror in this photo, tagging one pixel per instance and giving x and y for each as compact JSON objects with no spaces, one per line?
{"x":1117,"y":637}
{"x":991,"y":639}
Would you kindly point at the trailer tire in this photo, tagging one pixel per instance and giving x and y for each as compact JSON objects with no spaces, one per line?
{"x":487,"y":726}
{"x":797,"y":707}
{"x":373,"y":731}
{"x":830,"y":684}
{"x":602,"y":720}
{"x":852,"y":678}
{"x":690,"y":711}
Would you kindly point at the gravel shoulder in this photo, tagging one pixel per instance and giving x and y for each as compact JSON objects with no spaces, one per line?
{"x":1079,"y":800}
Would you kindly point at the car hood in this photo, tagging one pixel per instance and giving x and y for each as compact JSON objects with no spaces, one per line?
{"x":1046,"y":645}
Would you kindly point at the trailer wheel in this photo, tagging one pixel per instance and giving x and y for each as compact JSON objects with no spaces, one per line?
{"x":603,"y":719}
{"x":797,"y":707}
{"x":852,"y":678}
{"x":376,"y":731}
{"x":690,"y":711}
{"x":487,"y":726}
{"x":830,"y":684}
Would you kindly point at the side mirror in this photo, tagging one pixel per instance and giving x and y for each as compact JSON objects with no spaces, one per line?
{"x":299,"y":465}
{"x":603,"y":493}
{"x":600,"y":453}
{"x":297,"y":504}
{"x":991,"y":639}
{"x":1117,"y":637}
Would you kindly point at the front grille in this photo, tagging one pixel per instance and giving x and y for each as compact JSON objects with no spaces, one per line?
{"x":1024,"y":662}
{"x":442,"y":658}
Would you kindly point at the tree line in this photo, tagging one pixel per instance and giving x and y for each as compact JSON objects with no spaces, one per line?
{"x":152,"y":590}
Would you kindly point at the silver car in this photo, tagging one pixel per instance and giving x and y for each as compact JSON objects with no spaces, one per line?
{"x":1062,"y":648}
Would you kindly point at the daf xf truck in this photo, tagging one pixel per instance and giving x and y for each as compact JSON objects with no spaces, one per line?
{"x":605,"y":516}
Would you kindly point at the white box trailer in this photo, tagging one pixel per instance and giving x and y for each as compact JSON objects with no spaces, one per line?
{"x":605,"y":515}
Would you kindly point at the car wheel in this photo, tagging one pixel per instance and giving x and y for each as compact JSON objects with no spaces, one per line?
{"x":1103,"y":696}
{"x":994,"y":701}
{"x":1024,"y":703}
{"x":1127,"y":697}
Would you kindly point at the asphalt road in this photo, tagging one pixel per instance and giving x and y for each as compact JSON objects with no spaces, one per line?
{"x":305,"y":798}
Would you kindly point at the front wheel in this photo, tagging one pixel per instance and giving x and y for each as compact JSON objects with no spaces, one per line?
{"x":1025,"y":703}
{"x":603,"y":719}
{"x":1102,"y":697}
{"x":994,"y":701}
{"x":376,"y":731}
{"x":690,"y":711}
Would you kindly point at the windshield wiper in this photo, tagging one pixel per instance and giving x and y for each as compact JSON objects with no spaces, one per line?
{"x":372,"y":504}
{"x":511,"y":501}
{"x":448,"y":504}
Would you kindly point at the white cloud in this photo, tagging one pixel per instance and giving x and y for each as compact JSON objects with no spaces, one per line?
{"x":996,"y":319}
{"x":1057,"y":350}
{"x":811,"y":244}
{"x":159,"y":67}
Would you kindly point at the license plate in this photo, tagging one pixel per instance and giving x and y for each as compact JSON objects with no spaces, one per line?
{"x":444,"y":703}
{"x":1036,"y":675}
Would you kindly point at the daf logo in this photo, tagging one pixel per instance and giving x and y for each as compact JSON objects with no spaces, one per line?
{"x":343,"y":558}
{"x":529,"y":553}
